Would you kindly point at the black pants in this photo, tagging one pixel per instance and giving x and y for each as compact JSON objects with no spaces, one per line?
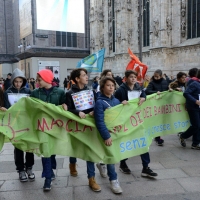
{"x":19,"y":160}
{"x":194,"y":129}
{"x":144,"y":157}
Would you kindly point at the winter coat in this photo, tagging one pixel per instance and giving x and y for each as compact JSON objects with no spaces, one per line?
{"x":70,"y":103}
{"x":175,"y":84}
{"x":7,"y":84}
{"x":103,"y":103}
{"x":17,"y":73}
{"x":122,"y":92}
{"x":192,"y":95}
{"x":154,"y":86}
{"x":56,"y":96}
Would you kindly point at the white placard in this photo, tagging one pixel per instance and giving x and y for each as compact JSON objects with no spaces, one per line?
{"x":133,"y":94}
{"x":15,"y":97}
{"x":83,"y":100}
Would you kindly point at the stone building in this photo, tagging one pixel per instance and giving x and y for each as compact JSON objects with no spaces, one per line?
{"x":38,"y":48}
{"x":170,"y":33}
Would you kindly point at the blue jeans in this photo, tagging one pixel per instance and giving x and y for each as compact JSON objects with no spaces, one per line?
{"x":144,"y":157}
{"x":91,"y":169}
{"x":194,"y":129}
{"x":48,"y":165}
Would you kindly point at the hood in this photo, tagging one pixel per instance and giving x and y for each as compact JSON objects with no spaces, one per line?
{"x":126,"y":87}
{"x":17,"y":73}
{"x":157,"y":81}
{"x":103,"y":97}
{"x":75,"y":88}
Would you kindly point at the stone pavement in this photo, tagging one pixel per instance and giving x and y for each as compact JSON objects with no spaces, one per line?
{"x":178,"y":177}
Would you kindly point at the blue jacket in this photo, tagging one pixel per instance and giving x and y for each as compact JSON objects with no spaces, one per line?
{"x":192,"y":94}
{"x":122,"y":92}
{"x":101,"y":105}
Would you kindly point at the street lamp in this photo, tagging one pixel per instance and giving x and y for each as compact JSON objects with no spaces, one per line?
{"x":24,"y":47}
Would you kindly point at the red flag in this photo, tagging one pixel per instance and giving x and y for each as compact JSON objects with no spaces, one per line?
{"x":138,"y":66}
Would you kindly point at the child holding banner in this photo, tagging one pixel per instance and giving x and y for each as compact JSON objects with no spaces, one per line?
{"x":79,"y":104}
{"x":192,"y":96}
{"x":47,"y":93}
{"x":128,"y":91}
{"x":157,"y":85}
{"x":105,"y":101}
{"x":16,"y":91}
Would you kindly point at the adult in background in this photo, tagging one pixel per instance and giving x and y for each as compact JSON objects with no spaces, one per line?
{"x":193,"y":107}
{"x":32,"y":82}
{"x":65,"y":82}
{"x":157,"y":85}
{"x":95,"y":83}
{"x":180,"y":83}
{"x":7,"y":82}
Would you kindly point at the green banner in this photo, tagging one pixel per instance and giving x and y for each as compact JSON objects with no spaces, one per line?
{"x":45,"y":129}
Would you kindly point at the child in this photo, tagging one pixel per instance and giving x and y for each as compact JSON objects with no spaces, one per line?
{"x":18,"y":83}
{"x":157,"y":85}
{"x":80,"y":78}
{"x":124,"y":94}
{"x":180,"y":83}
{"x":107,"y":100}
{"x":193,"y":107}
{"x":47,"y":93}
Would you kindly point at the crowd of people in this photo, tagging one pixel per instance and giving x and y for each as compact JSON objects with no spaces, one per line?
{"x":108,"y":91}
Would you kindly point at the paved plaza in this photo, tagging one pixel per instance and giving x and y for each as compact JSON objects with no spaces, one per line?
{"x":178,"y":177}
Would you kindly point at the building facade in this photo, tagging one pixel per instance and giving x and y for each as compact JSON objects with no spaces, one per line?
{"x":170,"y":33}
{"x":24,"y":46}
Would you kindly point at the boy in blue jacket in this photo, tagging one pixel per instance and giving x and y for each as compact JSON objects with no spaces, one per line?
{"x":105,"y":101}
{"x":193,"y":107}
{"x":128,"y":91}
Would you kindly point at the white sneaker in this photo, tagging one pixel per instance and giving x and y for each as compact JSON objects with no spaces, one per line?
{"x":115,"y":187}
{"x":102,"y":170}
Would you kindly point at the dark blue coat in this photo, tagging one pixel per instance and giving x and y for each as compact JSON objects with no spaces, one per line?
{"x":101,"y":105}
{"x":192,"y":95}
{"x":122,"y":92}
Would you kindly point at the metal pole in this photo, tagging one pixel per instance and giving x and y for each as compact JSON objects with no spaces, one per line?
{"x":140,"y":29}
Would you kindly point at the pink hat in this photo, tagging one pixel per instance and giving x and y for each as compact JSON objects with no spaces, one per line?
{"x":46,"y":75}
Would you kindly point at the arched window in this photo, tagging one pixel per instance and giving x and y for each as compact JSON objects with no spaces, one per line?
{"x":193,"y":19}
{"x":145,"y":23}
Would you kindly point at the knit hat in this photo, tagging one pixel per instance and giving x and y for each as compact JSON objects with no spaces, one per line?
{"x":46,"y":75}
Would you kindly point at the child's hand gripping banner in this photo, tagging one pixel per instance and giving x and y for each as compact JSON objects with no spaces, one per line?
{"x":45,"y":129}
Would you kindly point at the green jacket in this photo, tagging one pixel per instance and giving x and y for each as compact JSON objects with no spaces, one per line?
{"x":56,"y":96}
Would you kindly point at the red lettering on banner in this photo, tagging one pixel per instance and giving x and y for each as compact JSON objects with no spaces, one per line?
{"x":85,"y":127}
{"x":138,"y":115}
{"x":67,"y":125}
{"x":77,"y":128}
{"x":57,"y":122}
{"x":125,"y":129}
{"x":42,"y":126}
{"x":133,"y":119}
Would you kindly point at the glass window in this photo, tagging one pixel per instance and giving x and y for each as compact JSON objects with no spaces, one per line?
{"x":193,"y":19}
{"x":146,"y":22}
